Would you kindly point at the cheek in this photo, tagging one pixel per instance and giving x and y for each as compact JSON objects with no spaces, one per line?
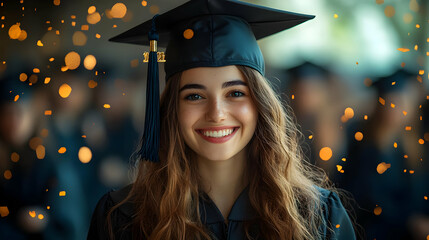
{"x":188,"y":116}
{"x":247,"y":113}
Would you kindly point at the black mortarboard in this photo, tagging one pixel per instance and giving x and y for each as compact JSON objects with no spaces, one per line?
{"x":395,"y":82}
{"x":308,"y":71}
{"x":203,"y":33}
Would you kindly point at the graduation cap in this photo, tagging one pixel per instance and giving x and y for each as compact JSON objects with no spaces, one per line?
{"x":395,"y":82}
{"x":308,"y":71}
{"x":203,"y":33}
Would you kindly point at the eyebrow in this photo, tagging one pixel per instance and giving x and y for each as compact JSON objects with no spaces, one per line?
{"x":224,"y":85}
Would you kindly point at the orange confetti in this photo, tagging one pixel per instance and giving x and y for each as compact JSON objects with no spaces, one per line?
{"x":377,"y":210}
{"x":14,"y":157}
{"x":408,"y":128}
{"x":416,"y":47}
{"x":93,"y":18}
{"x":4,"y":211}
{"x":425,"y":197}
{"x":72,"y":60}
{"x":23,"y":77}
{"x":337,"y":226}
{"x":7,"y":174}
{"x":40,"y":216}
{"x":395,"y":145}
{"x":89,"y":62}
{"x":339,"y":168}
{"x":47,"y":80}
{"x":325,"y":153}
{"x":417,"y":25}
{"x":57,"y":2}
{"x":62,"y":193}
{"x":48,"y":207}
{"x":36,"y":70}
{"x":39,"y":43}
{"x":65,"y":90}
{"x":16,"y":98}
{"x":85,"y":154}
{"x":14,"y":31}
{"x":403,"y":49}
{"x":421,"y":141}
{"x":48,"y":112}
{"x":62,"y":150}
{"x":392,"y":105}
{"x":34,"y":142}
{"x":83,"y":136}
{"x":404,"y":112}
{"x":91,"y":10}
{"x":22,"y":36}
{"x":73,"y":23}
{"x":97,"y":35}
{"x":79,"y":38}
{"x":40,"y":152}
{"x":358,"y":136}
{"x":144,"y":3}
{"x":32,"y":214}
{"x":310,"y":137}
{"x":84,"y":27}
{"x":293,"y":96}
{"x":382,"y":167}
{"x":349,"y":113}
{"x":51,"y":59}
{"x":381,"y":101}
{"x":118,"y":10}
{"x":421,"y":72}
{"x":405,"y":156}
{"x":188,"y":34}
{"x":411,"y":171}
{"x":365,"y":117}
{"x":92,"y":84}
{"x":343,"y":159}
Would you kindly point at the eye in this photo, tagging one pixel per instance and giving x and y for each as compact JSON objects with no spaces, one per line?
{"x":236,"y":93}
{"x":193,"y":97}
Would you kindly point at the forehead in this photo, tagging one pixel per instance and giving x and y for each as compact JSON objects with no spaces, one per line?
{"x":211,"y":75}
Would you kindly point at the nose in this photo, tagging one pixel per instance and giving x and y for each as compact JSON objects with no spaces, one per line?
{"x":216,"y":111}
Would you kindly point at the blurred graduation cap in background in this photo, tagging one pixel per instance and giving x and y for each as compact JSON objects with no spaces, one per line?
{"x":395,"y":82}
{"x":203,"y":33}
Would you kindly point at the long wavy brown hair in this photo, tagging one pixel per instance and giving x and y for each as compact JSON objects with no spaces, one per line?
{"x":282,"y":189}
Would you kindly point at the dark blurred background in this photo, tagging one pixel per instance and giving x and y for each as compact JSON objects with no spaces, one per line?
{"x":72,"y":107}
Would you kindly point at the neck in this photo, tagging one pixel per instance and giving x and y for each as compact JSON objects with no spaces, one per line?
{"x":224,"y":180}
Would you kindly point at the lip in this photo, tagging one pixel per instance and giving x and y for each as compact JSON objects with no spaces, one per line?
{"x":217,"y":140}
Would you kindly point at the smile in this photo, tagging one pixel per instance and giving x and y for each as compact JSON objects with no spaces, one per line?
{"x":217,"y":135}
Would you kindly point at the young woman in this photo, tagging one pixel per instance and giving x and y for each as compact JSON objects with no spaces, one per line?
{"x":229,"y":165}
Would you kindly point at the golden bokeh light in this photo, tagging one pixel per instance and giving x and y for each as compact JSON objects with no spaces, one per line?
{"x":310,"y":137}
{"x":118,"y":10}
{"x":72,"y":60}
{"x":40,"y":216}
{"x":358,"y":136}
{"x":4,"y":211}
{"x":392,"y":105}
{"x":92,"y":9}
{"x":97,"y":35}
{"x":62,"y":193}
{"x":48,"y":112}
{"x":188,"y":34}
{"x":93,"y":18}
{"x":34,"y":142}
{"x":7,"y":174}
{"x":339,"y":168}
{"x":408,"y":128}
{"x":39,"y":43}
{"x":395,"y":145}
{"x":404,"y":112}
{"x":57,"y":2}
{"x":84,"y":27}
{"x":89,"y":62}
{"x":335,"y":15}
{"x":16,"y":98}
{"x":22,"y":36}
{"x":65,"y":90}
{"x":144,"y":3}
{"x":85,"y":154}
{"x":36,"y":70}
{"x":62,"y":150}
{"x":365,"y":117}
{"x":389,"y":11}
{"x":382,"y":167}
{"x":421,"y":141}
{"x":51,"y":59}
{"x":377,"y":210}
{"x":40,"y":152}
{"x":32,"y":214}
{"x":23,"y":77}
{"x":381,"y":101}
{"x":92,"y":84}
{"x":15,"y":31}
{"x":47,"y":80}
{"x":337,"y":226}
{"x":325,"y":153}
{"x":106,"y":105}
{"x":403,"y":49}
{"x":79,"y":38}
{"x":14,"y":157}
{"x":349,"y":113}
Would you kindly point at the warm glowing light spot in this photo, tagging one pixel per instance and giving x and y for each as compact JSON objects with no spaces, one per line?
{"x":425,"y":197}
{"x":392,"y":105}
{"x":47,"y":80}
{"x":144,"y":3}
{"x":4,"y":211}
{"x":48,"y":207}
{"x":51,"y":59}
{"x":349,"y":113}
{"x":34,"y":142}
{"x":7,"y":174}
{"x":57,"y":2}
{"x":106,"y":105}
{"x":379,"y":1}
{"x":310,"y":137}
{"x":85,"y":154}
{"x":339,"y":168}
{"x":73,"y":16}
{"x":358,"y":136}
{"x":39,"y":43}
{"x":416,"y":47}
{"x":79,"y":38}
{"x":14,"y":157}
{"x":97,"y":35}
{"x":44,"y":132}
{"x":411,"y":171}
{"x":421,"y":141}
{"x":40,"y":152}
{"x":84,"y":27}
{"x":293,"y":96}
{"x":83,"y":136}
{"x":23,"y":77}
{"x":62,"y":150}
{"x":22,"y":35}
{"x":16,"y":98}
{"x":89,"y":62}
{"x":36,"y":70}
{"x":118,"y":10}
{"x":344,"y":119}
{"x":365,"y":117}
{"x":343,"y":159}
{"x":64,"y":68}
{"x":403,"y":49}
{"x":335,"y":15}
{"x":405,"y":156}
{"x":40,"y":216}
{"x":357,"y":63}
{"x":91,"y":10}
{"x":48,"y":112}
{"x":114,"y":26}
{"x":57,"y":32}
{"x":395,"y":145}
{"x":14,"y":31}
{"x":381,"y":101}
{"x":377,"y":210}
{"x":417,"y":25}
{"x":65,"y":90}
{"x":32,"y":214}
{"x":382,"y":167}
{"x":72,"y":60}
{"x":188,"y":34}
{"x":92,"y":84}
{"x":389,"y":11}
{"x":408,"y":128}
{"x":405,"y":170}
{"x":62,"y":193}
{"x":93,"y":18}
{"x":421,"y":72}
{"x":337,"y":226}
{"x":325,"y":153}
{"x":154,"y":9}
{"x":405,"y":113}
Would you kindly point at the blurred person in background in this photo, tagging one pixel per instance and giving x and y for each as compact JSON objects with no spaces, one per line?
{"x":383,"y":168}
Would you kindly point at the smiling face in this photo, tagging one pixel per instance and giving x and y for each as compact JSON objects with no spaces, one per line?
{"x":217,"y":116}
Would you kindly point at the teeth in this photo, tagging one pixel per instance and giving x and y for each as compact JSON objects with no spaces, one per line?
{"x":218,"y":134}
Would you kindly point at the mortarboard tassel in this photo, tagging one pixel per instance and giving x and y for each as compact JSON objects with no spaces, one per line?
{"x":150,"y":140}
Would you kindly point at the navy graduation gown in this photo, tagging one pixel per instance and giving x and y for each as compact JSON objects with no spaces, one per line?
{"x":336,"y":223}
